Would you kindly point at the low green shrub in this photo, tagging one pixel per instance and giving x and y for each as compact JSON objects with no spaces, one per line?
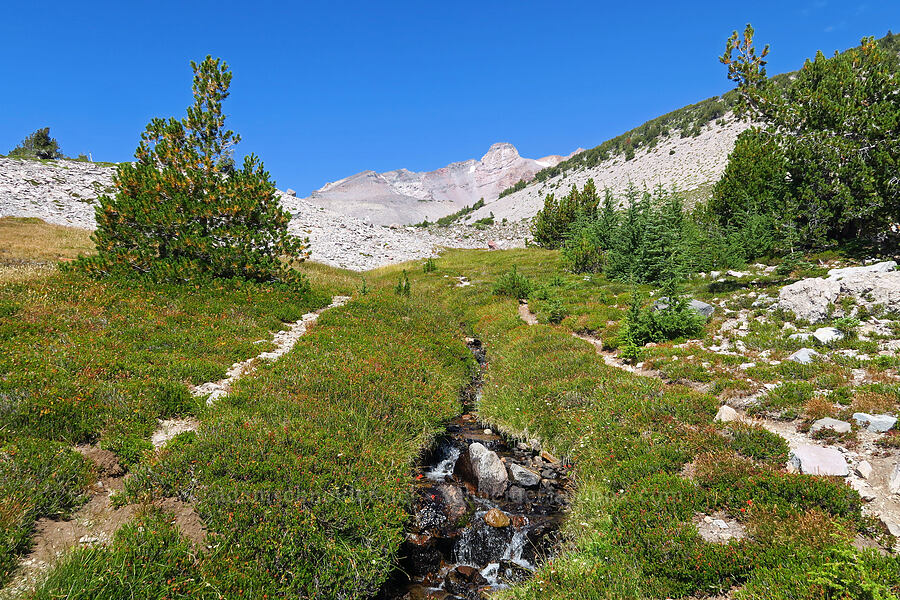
{"x":759,"y":443}
{"x":513,"y":284}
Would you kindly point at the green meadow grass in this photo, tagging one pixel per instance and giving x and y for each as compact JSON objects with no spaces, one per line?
{"x":303,"y":475}
{"x":83,"y":361}
{"x":629,"y":532}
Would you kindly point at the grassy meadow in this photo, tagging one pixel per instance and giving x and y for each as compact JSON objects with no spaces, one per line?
{"x":303,"y":475}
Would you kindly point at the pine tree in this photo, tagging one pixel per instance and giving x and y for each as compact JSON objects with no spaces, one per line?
{"x":838,"y":126}
{"x":182,"y":211}
{"x":37,"y":145}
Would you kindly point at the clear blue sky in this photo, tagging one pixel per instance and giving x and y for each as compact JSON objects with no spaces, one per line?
{"x":327,"y":89}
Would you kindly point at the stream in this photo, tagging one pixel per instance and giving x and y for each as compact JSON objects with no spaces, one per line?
{"x":487,"y":510}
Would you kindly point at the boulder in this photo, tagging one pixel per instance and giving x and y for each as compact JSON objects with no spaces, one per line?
{"x":522,"y":476}
{"x":826,"y":335}
{"x":829,"y":423}
{"x":875,"y":423}
{"x":290,"y":192}
{"x":487,"y":470}
{"x":496,"y":518}
{"x":804,"y":356}
{"x":727,"y":414}
{"x":870,"y":285}
{"x":808,"y":299}
{"x":816,"y":460}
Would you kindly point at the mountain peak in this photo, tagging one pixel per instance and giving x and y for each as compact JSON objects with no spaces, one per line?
{"x":499,"y":156}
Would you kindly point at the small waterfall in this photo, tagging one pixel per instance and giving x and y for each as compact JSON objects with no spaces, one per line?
{"x":444,"y":467}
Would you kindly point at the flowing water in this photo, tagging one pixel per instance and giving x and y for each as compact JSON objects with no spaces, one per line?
{"x":464,"y":543}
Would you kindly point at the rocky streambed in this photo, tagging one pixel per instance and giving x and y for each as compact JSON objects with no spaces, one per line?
{"x":487,"y":511}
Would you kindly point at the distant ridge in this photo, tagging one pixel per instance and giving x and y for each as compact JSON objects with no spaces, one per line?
{"x":402,"y":196}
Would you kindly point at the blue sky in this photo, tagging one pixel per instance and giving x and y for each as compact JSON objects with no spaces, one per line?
{"x":324,"y":90}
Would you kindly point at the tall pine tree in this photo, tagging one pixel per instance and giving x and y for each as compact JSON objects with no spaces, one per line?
{"x":182,"y":210}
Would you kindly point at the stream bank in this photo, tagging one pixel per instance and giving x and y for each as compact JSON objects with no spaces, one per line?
{"x":487,"y":510}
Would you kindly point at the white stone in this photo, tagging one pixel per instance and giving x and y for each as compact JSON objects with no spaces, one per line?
{"x":816,"y":460}
{"x":829,"y":423}
{"x":826,"y":335}
{"x":864,"y":469}
{"x":804,"y":356}
{"x":894,"y":480}
{"x":875,"y":423}
{"x":727,"y":414}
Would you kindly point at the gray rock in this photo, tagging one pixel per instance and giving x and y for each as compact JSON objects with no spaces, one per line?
{"x":826,"y":335}
{"x":522,"y":476}
{"x":517,"y":494}
{"x":892,"y":526}
{"x":894,"y":480}
{"x":808,"y":299}
{"x":875,"y":423}
{"x":804,"y":356}
{"x":868,"y":286}
{"x":727,"y":414}
{"x":489,"y":470}
{"x":290,"y":192}
{"x":882,"y":267}
{"x":864,"y":469}
{"x":829,"y":423}
{"x":816,"y":460}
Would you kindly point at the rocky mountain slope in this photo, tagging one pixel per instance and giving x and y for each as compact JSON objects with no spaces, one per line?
{"x":64,"y":193}
{"x":404,"y":196}
{"x":693,"y":164}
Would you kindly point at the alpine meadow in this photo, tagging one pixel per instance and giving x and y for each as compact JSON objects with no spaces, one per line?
{"x":667,"y":366}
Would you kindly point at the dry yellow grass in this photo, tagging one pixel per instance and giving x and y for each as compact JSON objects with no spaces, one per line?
{"x":25,"y":241}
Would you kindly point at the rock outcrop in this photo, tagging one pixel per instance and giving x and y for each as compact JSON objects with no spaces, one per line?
{"x":869,"y":286}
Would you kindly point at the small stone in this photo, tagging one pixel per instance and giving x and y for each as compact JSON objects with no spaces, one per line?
{"x":496,"y":518}
{"x":894,"y":480}
{"x":88,"y":539}
{"x":804,"y":356}
{"x":522,"y":476}
{"x":720,"y":523}
{"x":829,"y":423}
{"x":826,"y":335}
{"x":727,"y":414}
{"x":864,"y":469}
{"x":747,"y":365}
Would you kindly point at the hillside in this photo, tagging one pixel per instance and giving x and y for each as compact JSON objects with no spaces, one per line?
{"x":404,"y":197}
{"x":692,"y":163}
{"x":64,"y":192}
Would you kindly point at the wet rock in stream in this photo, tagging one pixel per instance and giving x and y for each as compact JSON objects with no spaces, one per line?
{"x":487,"y":511}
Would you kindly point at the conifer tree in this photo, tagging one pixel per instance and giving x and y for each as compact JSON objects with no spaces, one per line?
{"x":182,"y":211}
{"x":838,"y":127}
{"x":37,"y":145}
